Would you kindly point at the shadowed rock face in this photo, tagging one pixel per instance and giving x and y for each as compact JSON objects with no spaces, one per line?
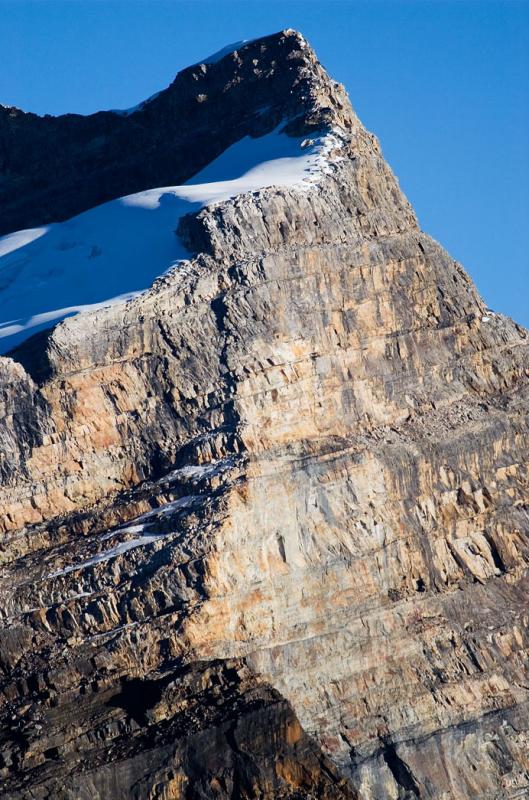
{"x":52,"y":168}
{"x":264,"y":528}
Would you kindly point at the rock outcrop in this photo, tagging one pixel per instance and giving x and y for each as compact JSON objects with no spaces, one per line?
{"x":264,"y":527}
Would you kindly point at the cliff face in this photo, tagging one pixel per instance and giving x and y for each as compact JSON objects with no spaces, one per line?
{"x":264,"y":528}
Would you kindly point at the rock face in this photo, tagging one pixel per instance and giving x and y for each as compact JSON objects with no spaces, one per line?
{"x":265,"y":527}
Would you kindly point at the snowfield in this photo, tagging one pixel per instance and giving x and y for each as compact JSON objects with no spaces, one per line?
{"x":114,"y":251}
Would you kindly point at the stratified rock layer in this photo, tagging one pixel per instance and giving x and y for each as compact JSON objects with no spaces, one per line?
{"x":265,"y":526}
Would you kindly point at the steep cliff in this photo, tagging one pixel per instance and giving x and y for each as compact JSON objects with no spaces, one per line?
{"x":264,"y":526}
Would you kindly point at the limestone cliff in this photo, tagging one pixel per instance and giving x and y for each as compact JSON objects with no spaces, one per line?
{"x":264,"y":527}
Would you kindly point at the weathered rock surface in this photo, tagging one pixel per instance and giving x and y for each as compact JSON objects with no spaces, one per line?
{"x":265,"y":527}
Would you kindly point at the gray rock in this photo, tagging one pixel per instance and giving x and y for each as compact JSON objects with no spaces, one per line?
{"x":264,"y":528}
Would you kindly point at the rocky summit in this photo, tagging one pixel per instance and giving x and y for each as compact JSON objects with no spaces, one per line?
{"x":264,"y":525}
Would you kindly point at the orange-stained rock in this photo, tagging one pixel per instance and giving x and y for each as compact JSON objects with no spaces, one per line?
{"x":265,"y":527}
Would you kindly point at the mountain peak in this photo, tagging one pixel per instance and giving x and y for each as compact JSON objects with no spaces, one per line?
{"x":264,"y":525}
{"x":52,"y":168}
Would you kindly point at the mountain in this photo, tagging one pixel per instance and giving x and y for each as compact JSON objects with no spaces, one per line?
{"x":265,"y":523}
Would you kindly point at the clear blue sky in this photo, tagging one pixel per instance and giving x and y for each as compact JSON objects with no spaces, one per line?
{"x":444,"y":85}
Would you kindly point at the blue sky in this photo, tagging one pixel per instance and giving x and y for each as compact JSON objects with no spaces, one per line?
{"x":444,"y":85}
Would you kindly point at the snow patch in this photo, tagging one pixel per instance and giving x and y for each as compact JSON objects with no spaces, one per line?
{"x":138,"y":523}
{"x":39,"y":321}
{"x":214,"y":58}
{"x":13,"y":241}
{"x":198,"y":471}
{"x":145,"y":525}
{"x":119,"y":549}
{"x":114,"y":251}
{"x":126,"y":112}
